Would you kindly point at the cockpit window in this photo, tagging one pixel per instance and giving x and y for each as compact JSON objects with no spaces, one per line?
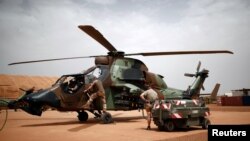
{"x":71,"y":83}
{"x":97,"y":72}
{"x":100,"y":72}
{"x":65,"y":79}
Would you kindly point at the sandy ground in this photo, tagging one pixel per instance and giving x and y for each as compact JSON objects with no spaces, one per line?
{"x":128,"y":125}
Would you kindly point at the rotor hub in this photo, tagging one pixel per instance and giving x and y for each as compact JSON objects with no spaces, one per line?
{"x":116,"y":53}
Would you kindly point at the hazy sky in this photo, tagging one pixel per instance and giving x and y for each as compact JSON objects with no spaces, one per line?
{"x":43,"y":29}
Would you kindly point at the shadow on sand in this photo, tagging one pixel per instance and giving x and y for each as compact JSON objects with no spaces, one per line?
{"x":90,"y":122}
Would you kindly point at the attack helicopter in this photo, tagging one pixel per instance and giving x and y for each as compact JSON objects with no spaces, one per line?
{"x":123,"y":79}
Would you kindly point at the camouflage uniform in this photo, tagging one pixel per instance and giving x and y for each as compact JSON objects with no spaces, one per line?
{"x":97,"y":86}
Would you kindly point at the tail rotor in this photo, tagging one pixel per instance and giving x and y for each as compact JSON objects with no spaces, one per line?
{"x":194,"y":89}
{"x":197,"y":71}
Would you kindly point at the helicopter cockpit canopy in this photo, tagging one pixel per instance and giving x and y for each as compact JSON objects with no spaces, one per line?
{"x":72,"y":82}
{"x":99,"y":71}
{"x":71,"y":77}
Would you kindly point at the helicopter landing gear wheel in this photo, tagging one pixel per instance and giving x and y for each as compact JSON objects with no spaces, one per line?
{"x":205,"y":123}
{"x":83,"y":116}
{"x":169,"y":125}
{"x":106,"y":118}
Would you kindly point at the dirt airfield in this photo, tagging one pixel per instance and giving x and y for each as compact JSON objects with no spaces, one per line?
{"x":127,"y":126}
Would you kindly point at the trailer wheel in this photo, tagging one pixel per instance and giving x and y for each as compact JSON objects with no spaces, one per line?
{"x":169,"y":125}
{"x":205,"y":123}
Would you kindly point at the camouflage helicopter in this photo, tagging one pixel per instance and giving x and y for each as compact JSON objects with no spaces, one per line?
{"x":123,"y":79}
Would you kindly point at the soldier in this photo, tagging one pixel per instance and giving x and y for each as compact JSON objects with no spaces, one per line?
{"x":149,"y":96}
{"x":98,"y":89}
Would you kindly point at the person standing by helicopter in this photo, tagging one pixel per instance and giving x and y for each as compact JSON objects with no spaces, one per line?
{"x":149,"y":96}
{"x":98,"y":89}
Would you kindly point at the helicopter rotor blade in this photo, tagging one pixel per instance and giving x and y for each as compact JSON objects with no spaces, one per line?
{"x":46,"y":60}
{"x":198,"y":66}
{"x":203,"y":88}
{"x":189,"y":74}
{"x":180,"y":52}
{"x":95,"y":34}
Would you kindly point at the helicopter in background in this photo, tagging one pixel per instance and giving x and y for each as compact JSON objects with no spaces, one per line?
{"x":123,"y":79}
